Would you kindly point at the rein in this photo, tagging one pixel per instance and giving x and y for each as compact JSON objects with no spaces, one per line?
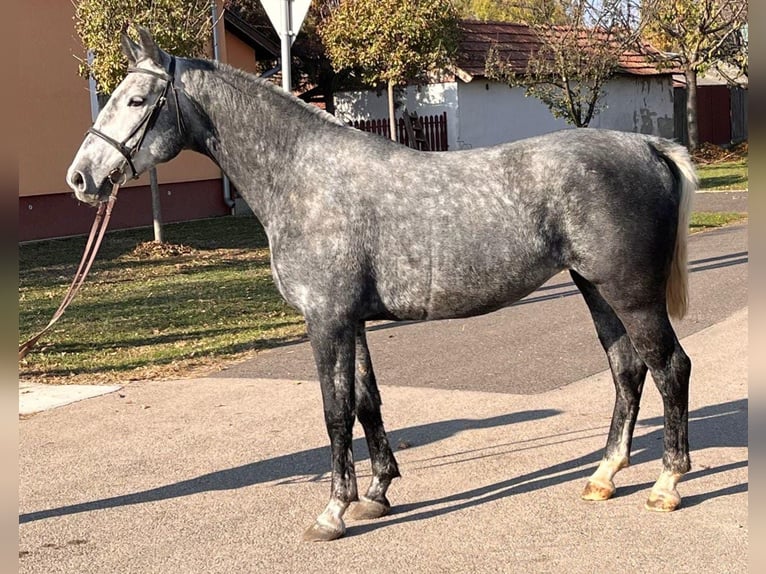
{"x":97,"y":231}
{"x":117,"y":177}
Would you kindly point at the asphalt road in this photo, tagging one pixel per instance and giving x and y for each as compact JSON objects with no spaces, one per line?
{"x":731,"y":201}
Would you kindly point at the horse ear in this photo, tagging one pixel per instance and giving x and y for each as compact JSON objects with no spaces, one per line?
{"x":131,"y":50}
{"x":148,"y":45}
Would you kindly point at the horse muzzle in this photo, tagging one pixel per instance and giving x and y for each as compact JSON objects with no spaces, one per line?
{"x":85,"y":188}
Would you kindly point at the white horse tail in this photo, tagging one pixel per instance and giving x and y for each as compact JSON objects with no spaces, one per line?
{"x":677,"y":289}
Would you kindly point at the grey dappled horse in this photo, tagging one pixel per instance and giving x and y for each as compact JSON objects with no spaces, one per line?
{"x":355,"y":236}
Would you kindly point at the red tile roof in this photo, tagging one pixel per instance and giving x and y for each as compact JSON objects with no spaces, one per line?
{"x":515,"y":43}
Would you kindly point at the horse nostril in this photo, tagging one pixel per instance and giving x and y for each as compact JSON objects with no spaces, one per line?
{"x":77,"y":180}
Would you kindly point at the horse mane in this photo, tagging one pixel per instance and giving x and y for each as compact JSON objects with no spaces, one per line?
{"x":249,"y":84}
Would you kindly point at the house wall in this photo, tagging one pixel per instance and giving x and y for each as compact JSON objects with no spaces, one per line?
{"x":638,"y":104}
{"x":56,"y":99}
{"x":57,"y":113}
{"x":240,"y":55}
{"x":482,"y":113}
{"x":492,"y":113}
{"x":427,"y":100}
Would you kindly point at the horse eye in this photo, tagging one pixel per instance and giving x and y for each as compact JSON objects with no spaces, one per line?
{"x":136,"y":101}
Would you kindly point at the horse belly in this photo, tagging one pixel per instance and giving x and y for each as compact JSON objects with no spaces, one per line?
{"x":461,"y":291}
{"x":475,"y":295}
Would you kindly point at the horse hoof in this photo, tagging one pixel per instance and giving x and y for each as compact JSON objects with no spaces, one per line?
{"x":367,"y":509}
{"x":323,"y":532}
{"x":598,"y":490}
{"x":663,"y":501}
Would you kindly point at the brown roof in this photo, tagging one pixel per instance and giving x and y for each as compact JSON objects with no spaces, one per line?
{"x":515,"y":43}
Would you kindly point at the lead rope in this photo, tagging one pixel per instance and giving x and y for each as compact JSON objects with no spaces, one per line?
{"x":100,"y":224}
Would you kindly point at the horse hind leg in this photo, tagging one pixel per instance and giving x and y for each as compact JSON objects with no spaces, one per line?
{"x":629,"y":374}
{"x":374,"y":503}
{"x":654,"y":340}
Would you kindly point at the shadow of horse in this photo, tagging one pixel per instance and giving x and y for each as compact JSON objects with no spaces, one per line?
{"x":715,"y":426}
{"x":304,"y":466}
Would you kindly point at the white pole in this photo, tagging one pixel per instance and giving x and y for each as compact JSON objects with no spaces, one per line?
{"x":214,"y":17}
{"x":285,"y":35}
{"x":227,"y":199}
{"x":94,"y":107}
{"x":156,"y":206}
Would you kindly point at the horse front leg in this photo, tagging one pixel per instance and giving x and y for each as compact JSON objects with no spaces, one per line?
{"x":333,"y":346}
{"x":374,"y":503}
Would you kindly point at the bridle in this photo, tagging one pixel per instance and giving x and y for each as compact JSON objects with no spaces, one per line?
{"x":118,"y":176}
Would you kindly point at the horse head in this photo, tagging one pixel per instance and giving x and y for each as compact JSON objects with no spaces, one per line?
{"x":139,"y":127}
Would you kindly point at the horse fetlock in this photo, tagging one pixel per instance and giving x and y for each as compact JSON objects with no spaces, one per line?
{"x":374,"y":504}
{"x":677,"y":463}
{"x":394,"y":470}
{"x":384,"y":476}
{"x":344,"y":487}
{"x":348,"y":494}
{"x":600,"y":486}
{"x":377,"y":490}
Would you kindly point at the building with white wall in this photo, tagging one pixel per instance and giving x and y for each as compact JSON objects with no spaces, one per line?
{"x":482,"y":112}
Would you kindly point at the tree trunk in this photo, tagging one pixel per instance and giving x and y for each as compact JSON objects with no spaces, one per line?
{"x":391,"y":116}
{"x":156,"y":211}
{"x":691,"y":110}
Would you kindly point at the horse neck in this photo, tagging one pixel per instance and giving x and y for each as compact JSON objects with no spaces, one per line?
{"x":251,"y":130}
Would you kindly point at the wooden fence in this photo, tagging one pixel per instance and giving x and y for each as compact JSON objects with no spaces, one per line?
{"x":433,"y":130}
{"x":721,"y":114}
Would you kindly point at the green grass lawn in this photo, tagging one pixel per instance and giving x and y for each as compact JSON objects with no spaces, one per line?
{"x":707,"y":220}
{"x":724,"y":176}
{"x":146,"y":312}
